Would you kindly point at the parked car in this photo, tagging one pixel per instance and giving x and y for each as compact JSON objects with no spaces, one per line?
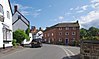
{"x":36,"y":43}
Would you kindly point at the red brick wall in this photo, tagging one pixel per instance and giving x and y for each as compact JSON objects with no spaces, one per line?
{"x":56,"y":36}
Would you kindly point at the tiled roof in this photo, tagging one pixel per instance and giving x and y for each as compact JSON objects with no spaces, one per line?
{"x":67,"y":25}
{"x":74,"y":24}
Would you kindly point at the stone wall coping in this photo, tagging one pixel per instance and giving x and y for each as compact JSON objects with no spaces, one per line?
{"x":90,"y":41}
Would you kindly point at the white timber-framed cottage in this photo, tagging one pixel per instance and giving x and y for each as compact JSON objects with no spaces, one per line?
{"x":5,"y":24}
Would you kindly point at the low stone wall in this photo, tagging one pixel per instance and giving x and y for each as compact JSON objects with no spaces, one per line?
{"x":89,"y":49}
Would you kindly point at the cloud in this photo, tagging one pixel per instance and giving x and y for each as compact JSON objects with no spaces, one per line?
{"x":91,"y":19}
{"x":77,"y":8}
{"x":80,"y":11}
{"x":94,"y":1}
{"x":61,"y":17}
{"x":71,"y":8}
{"x":25,"y":12}
{"x":68,"y":13}
{"x":38,"y":10}
{"x":36,"y":14}
{"x":84,"y":7}
{"x":23,"y":9}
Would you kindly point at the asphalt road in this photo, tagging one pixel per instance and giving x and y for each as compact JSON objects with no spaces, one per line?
{"x":45,"y":52}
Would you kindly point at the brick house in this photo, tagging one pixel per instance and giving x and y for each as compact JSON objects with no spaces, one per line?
{"x":63,"y":33}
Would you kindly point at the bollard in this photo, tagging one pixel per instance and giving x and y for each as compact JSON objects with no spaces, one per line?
{"x":3,"y":46}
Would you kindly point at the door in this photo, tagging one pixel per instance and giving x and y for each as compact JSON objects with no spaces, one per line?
{"x":66,"y":41}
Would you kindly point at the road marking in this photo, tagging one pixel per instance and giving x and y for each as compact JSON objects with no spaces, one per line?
{"x":67,"y":51}
{"x":70,"y":52}
{"x":68,"y":55}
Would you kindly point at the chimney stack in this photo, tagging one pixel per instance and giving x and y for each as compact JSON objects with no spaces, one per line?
{"x":15,"y":8}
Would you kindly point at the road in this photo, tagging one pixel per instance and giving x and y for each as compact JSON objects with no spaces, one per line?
{"x":45,"y":52}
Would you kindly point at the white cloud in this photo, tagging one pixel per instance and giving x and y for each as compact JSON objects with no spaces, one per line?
{"x":84,"y":7}
{"x":25,"y":12}
{"x":23,"y":9}
{"x":95,"y":6}
{"x":68,"y":13}
{"x":90,"y":19}
{"x":36,"y":14}
{"x":77,"y":8}
{"x":61,"y":17}
{"x":38,"y":10}
{"x":94,"y":1}
{"x":80,"y":11}
{"x":71,"y":8}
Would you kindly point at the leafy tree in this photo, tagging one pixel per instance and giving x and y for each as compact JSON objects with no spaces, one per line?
{"x":93,"y":31}
{"x":20,"y":35}
{"x":83,"y":33}
{"x":90,"y":34}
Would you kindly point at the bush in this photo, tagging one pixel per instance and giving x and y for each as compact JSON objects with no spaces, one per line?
{"x":14,"y":42}
{"x":20,"y":35}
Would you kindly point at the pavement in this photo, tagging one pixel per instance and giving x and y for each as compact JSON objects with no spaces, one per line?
{"x":10,"y":50}
{"x":45,"y":52}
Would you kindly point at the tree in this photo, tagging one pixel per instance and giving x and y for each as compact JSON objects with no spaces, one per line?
{"x":20,"y":35}
{"x":83,"y":33}
{"x":90,"y":34}
{"x":93,"y":31}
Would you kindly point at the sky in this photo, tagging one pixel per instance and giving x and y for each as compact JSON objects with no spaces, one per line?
{"x":45,"y":13}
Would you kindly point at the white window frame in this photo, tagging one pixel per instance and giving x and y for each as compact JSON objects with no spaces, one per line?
{"x":73,"y":33}
{"x":52,"y":34}
{"x":60,"y":33}
{"x":66,"y":33}
{"x":60,"y":28}
{"x":67,"y":28}
{"x":74,"y":28}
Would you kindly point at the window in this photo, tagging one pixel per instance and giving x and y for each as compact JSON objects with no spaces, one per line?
{"x":19,"y":17}
{"x":1,"y":9}
{"x":73,"y":38}
{"x":8,"y":14}
{"x":67,"y":28}
{"x":53,"y":39}
{"x":74,"y":28}
{"x":60,"y":33}
{"x":45,"y":35}
{"x":60,"y":28}
{"x":49,"y":41}
{"x":73,"y":33}
{"x":48,"y":34}
{"x":52,"y":34}
{"x":60,"y":40}
{"x":66,"y":33}
{"x":6,"y":34}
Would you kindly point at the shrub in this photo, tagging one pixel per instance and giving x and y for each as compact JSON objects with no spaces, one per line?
{"x":14,"y":42}
{"x":20,"y":35}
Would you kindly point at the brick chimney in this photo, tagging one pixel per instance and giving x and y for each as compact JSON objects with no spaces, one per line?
{"x":15,"y":8}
